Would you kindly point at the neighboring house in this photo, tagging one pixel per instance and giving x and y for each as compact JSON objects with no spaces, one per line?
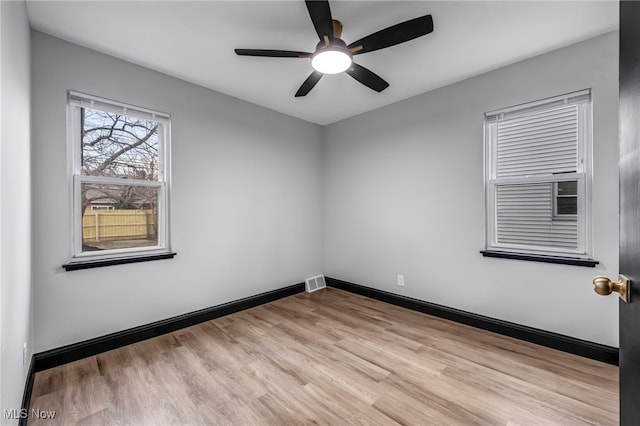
{"x":99,"y":201}
{"x":114,"y":198}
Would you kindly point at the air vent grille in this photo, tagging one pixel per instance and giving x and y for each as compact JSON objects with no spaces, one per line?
{"x":315,"y":283}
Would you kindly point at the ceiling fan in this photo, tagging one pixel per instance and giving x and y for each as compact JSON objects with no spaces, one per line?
{"x":333,"y":55}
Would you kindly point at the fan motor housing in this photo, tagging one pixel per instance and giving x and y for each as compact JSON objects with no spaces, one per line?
{"x":335,"y":44}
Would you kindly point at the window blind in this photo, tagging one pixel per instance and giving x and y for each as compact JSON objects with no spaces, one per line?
{"x":87,"y":101}
{"x":544,"y":142}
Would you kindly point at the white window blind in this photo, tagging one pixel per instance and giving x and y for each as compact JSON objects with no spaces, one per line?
{"x":538,"y":143}
{"x":81,"y":100}
{"x":530,"y":149}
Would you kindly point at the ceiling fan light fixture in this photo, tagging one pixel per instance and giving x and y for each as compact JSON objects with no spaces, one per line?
{"x":331,"y":60}
{"x":333,"y":56}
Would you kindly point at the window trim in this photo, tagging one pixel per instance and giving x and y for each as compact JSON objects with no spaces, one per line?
{"x":560,"y":260}
{"x":77,"y":100}
{"x":112,"y":261}
{"x":584,"y":101}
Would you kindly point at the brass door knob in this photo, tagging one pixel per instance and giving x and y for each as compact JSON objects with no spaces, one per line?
{"x":604,"y":287}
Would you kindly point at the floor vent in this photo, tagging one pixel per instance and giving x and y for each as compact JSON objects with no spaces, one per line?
{"x":315,"y":283}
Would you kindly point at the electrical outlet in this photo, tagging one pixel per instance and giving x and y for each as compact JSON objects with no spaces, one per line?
{"x":24,"y":354}
{"x":401,"y":280}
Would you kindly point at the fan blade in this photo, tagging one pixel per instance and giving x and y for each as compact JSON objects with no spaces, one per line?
{"x":272,"y":53}
{"x":320,"y":14}
{"x":368,"y":78}
{"x":309,"y":83}
{"x":396,"y":34}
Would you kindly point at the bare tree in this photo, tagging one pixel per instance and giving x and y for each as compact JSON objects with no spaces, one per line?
{"x":119,"y":146}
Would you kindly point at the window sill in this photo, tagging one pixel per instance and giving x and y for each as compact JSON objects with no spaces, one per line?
{"x":590,"y":263}
{"x":88,"y":264}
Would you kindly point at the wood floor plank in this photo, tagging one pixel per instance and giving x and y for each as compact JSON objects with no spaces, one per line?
{"x":568,"y":383}
{"x":290,"y":394}
{"x":350,"y":410}
{"x":329,"y":357}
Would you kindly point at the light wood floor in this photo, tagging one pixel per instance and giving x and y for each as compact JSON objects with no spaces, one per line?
{"x":331,"y":357}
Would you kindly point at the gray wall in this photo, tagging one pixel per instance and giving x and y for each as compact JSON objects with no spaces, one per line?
{"x":15,"y":204}
{"x":246,"y":200}
{"x":404,"y":195}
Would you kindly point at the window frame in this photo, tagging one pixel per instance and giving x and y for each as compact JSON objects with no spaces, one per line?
{"x":75,"y":102}
{"x":583,"y":99}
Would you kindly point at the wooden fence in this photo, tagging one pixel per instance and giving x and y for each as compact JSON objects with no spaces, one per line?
{"x":106,"y":225}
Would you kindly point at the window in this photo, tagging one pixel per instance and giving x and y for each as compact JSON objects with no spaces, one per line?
{"x":565,"y":199}
{"x":119,"y":179}
{"x":538,"y":173}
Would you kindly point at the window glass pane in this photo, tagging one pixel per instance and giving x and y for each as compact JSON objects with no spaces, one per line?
{"x":117,"y":145}
{"x":568,"y":188}
{"x":525,"y":217}
{"x":567,"y":205}
{"x":118,"y":216}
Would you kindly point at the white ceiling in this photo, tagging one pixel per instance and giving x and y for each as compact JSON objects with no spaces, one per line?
{"x":194,"y":41}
